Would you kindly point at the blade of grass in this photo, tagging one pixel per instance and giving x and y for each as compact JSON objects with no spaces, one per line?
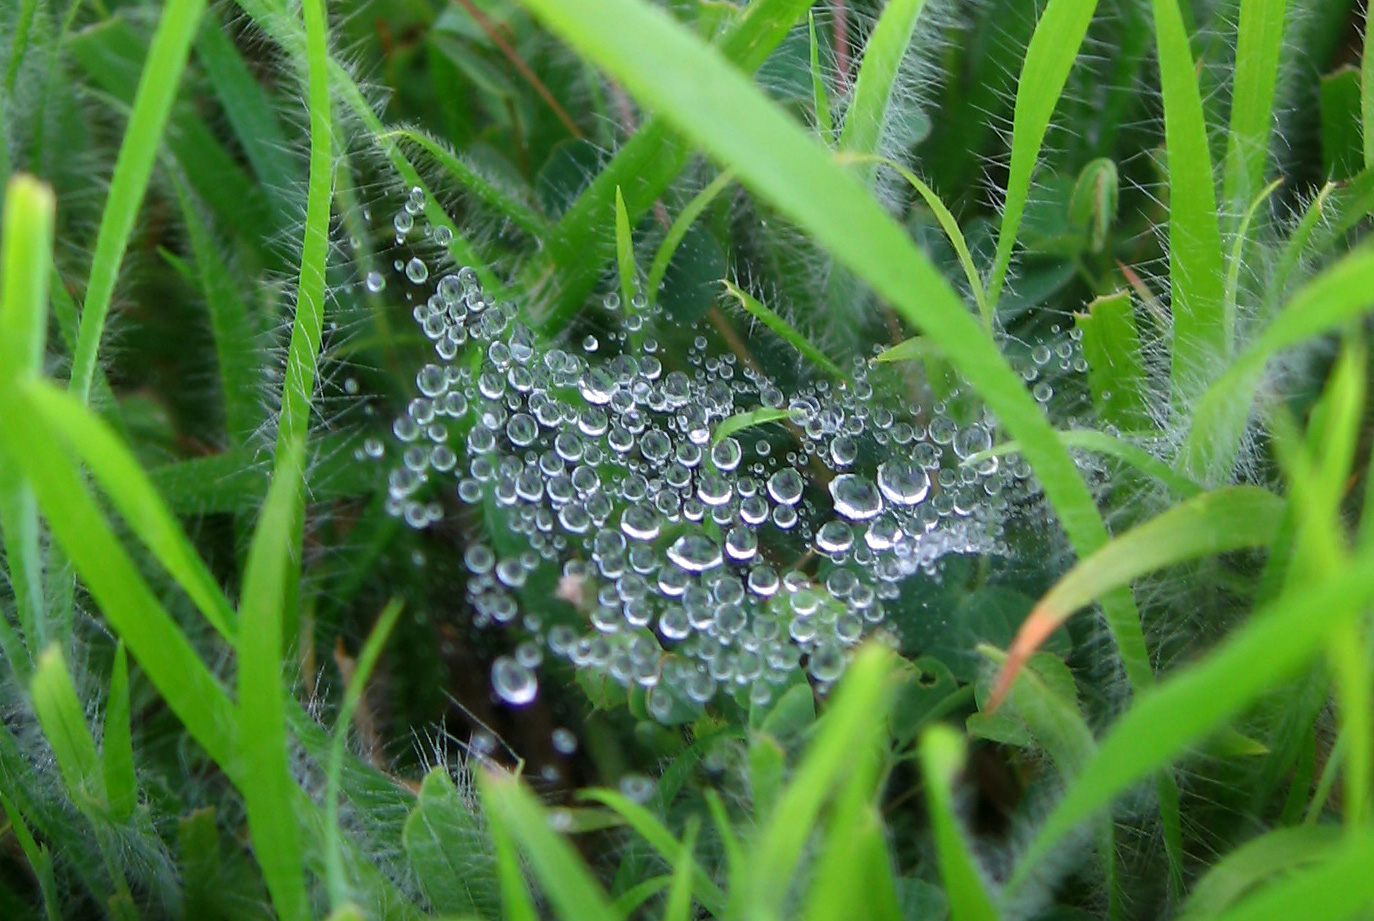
{"x":264,"y":769}
{"x":1216,"y":522}
{"x":624,"y":252}
{"x":362,"y":671}
{"x":820,"y":95}
{"x":157,"y":88}
{"x":941,"y":752}
{"x":27,"y":259}
{"x":1116,"y":371}
{"x":947,"y":223}
{"x":19,"y":43}
{"x":1111,"y":446}
{"x":1049,"y":58}
{"x":63,"y":719}
{"x":876,"y":82}
{"x":563,"y":876}
{"x":1166,"y":720}
{"x":681,"y":224}
{"x":1339,"y":887}
{"x":1259,"y":39}
{"x":1233,"y":266}
{"x":784,"y":329}
{"x":1203,"y":330}
{"x":679,"y":904}
{"x":117,"y":742}
{"x":1367,"y":95}
{"x":1343,"y":291}
{"x":1256,"y":862}
{"x":38,"y":856}
{"x":517,"y":904}
{"x":474,"y":182}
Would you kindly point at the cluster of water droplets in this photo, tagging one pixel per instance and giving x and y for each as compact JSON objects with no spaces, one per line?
{"x":697,"y":563}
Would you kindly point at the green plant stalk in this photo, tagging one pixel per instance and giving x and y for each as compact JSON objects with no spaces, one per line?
{"x":941,"y":753}
{"x":789,"y":333}
{"x":293,"y":428}
{"x":820,"y":95}
{"x":1116,"y":371}
{"x":1259,"y":40}
{"x":157,"y":89}
{"x":877,"y":78}
{"x":678,"y":229}
{"x":1367,"y":94}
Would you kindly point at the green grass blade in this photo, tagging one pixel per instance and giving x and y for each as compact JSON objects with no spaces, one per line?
{"x":564,"y":878}
{"x":714,"y":104}
{"x":1342,"y":292}
{"x":941,"y":753}
{"x":27,"y":260}
{"x":517,"y":904}
{"x":1199,"y":699}
{"x":578,"y":249}
{"x":1338,"y":887}
{"x":820,"y":95}
{"x":679,"y":904}
{"x":1111,"y":446}
{"x":1116,"y":370}
{"x":264,"y":770}
{"x":362,"y":671}
{"x":474,"y":182}
{"x":117,"y":743}
{"x":63,"y":719}
{"x":947,"y":223}
{"x":784,"y":329}
{"x":38,"y":856}
{"x":1258,"y":42}
{"x":1233,"y":266}
{"x":1202,"y":331}
{"x":1256,"y":862}
{"x":122,"y":478}
{"x":157,"y":89}
{"x":877,"y":78}
{"x":236,"y":340}
{"x":1049,"y":58}
{"x":747,"y":420}
{"x":1367,"y":96}
{"x":849,"y":726}
{"x":648,"y":827}
{"x":681,"y":224}
{"x":19,"y":44}
{"x":624,"y":252}
{"x":1216,"y":522}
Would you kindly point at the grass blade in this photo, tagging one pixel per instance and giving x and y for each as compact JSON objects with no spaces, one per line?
{"x":1053,"y":48}
{"x":1202,"y":331}
{"x":820,"y":95}
{"x":681,"y":224}
{"x":784,"y":329}
{"x":565,"y":879}
{"x":876,"y":81}
{"x":1116,"y":371}
{"x":157,"y":89}
{"x":941,"y":754}
{"x":1258,"y":41}
{"x":1341,"y":885}
{"x":1254,"y":863}
{"x":624,"y":252}
{"x":264,"y":771}
{"x":63,"y":719}
{"x":1166,"y":720}
{"x":1214,"y":522}
{"x":38,"y":856}
{"x":117,"y":743}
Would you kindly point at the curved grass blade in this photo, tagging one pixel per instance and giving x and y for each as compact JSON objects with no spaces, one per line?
{"x":362,"y":671}
{"x":117,"y":743}
{"x":564,"y":878}
{"x":38,"y":856}
{"x":876,"y":81}
{"x":941,"y":752}
{"x":474,"y":182}
{"x":746,"y":420}
{"x":157,"y":89}
{"x":1343,"y":291}
{"x":1256,"y":862}
{"x":264,"y":770}
{"x":679,"y":904}
{"x":624,"y":252}
{"x":784,"y":329}
{"x":1165,"y":721}
{"x":820,"y":96}
{"x":681,"y":224}
{"x":947,"y":223}
{"x":63,"y":719}
{"x":1053,"y":46}
{"x":1238,"y":244}
{"x":711,"y":102}
{"x":1259,"y":39}
{"x":1214,"y":522}
{"x":1338,"y":887}
{"x":1203,"y":330}
{"x":1110,"y":445}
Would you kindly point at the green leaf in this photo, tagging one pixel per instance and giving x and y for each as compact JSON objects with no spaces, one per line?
{"x":157,"y":88}
{"x":1342,"y":148}
{"x":1259,"y":39}
{"x":624,"y":252}
{"x":117,"y":744}
{"x":448,"y":850}
{"x":1255,"y":863}
{"x":877,"y":78}
{"x":38,"y":856}
{"x":784,"y":329}
{"x":63,"y":720}
{"x":1202,"y":330}
{"x":1092,"y":206}
{"x":942,"y":758}
{"x":1338,"y":887}
{"x":1116,"y":371}
{"x":659,"y":267}
{"x":820,"y":95}
{"x":1049,"y":58}
{"x":747,"y":420}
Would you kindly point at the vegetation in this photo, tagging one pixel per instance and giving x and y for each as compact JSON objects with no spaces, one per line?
{"x":598,"y":459}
